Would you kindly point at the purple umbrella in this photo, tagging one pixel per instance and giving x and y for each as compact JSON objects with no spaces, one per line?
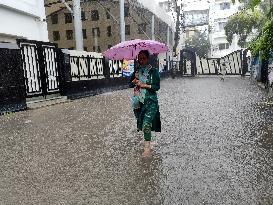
{"x":129,"y":49}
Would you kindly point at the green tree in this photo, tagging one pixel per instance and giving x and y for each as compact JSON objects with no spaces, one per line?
{"x":242,"y":24}
{"x":249,"y":3}
{"x":263,"y":43}
{"x":199,"y":43}
{"x":264,"y":5}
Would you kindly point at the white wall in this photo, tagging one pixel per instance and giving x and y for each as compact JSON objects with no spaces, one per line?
{"x":22,"y":19}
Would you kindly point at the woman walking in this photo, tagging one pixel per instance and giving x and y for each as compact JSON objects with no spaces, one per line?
{"x":147,"y":114}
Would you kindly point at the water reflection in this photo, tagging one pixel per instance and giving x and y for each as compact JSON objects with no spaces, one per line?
{"x":215,"y":148}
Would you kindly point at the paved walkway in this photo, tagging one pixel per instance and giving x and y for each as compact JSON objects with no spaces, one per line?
{"x":215,"y":148}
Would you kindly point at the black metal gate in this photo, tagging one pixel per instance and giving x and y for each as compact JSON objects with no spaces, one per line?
{"x":187,"y":65}
{"x":40,"y":67}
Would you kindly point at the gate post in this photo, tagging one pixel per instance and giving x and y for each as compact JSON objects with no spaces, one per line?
{"x":193,"y":65}
{"x":64,"y":71}
{"x":244,"y":62}
{"x":106,"y":68}
{"x":43,"y":71}
{"x":218,"y":67}
{"x":172,"y":70}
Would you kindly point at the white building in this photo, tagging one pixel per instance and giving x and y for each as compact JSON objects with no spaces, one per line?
{"x":22,"y":19}
{"x":220,"y":12}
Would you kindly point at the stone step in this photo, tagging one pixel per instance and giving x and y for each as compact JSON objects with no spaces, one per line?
{"x":47,"y":102}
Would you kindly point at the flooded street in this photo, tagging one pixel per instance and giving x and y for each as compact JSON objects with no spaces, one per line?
{"x":216,"y":147}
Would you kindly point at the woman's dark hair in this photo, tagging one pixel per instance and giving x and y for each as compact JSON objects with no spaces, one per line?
{"x":145,"y":52}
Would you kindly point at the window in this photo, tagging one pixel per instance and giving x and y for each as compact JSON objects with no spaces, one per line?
{"x":96,"y":32}
{"x":55,"y":19}
{"x":56,"y":35}
{"x":68,"y":18}
{"x":225,"y":6}
{"x":109,"y":46}
{"x":108,"y":16}
{"x":141,"y":28}
{"x":126,"y":11}
{"x":69,"y":35}
{"x":127,"y":30}
{"x":109,"y":31}
{"x":223,"y":46}
{"x":85,"y":48}
{"x":83,"y":16}
{"x":95,"y":15}
{"x":96,"y":49}
{"x":222,"y":26}
{"x":84,"y":34}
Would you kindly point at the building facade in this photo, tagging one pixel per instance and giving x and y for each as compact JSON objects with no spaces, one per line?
{"x":220,"y":12}
{"x":100,"y":23}
{"x":22,"y":19}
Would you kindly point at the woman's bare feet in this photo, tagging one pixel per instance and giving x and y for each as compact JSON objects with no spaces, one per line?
{"x":147,"y":149}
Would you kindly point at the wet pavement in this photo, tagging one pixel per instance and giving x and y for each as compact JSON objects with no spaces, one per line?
{"x":216,"y":147}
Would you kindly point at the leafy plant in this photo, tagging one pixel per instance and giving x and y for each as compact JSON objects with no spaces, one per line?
{"x":264,"y":42}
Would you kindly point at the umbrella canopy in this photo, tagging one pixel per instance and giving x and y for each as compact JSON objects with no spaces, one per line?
{"x":129,"y":49}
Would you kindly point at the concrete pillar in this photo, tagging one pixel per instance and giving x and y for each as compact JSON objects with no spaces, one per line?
{"x":78,"y":24}
{"x":168,"y":44}
{"x":122,"y":21}
{"x":168,"y":36}
{"x":153,"y":27}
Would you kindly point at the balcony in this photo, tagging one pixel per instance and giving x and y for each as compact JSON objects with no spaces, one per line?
{"x":218,"y":34}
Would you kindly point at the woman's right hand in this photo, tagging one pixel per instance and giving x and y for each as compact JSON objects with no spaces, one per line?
{"x":135,"y":81}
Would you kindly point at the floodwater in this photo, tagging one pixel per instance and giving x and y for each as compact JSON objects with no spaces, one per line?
{"x":216,"y":147}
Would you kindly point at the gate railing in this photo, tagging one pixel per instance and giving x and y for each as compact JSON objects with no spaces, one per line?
{"x":235,"y":63}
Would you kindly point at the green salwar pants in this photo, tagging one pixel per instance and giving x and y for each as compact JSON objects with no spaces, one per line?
{"x":145,"y":116}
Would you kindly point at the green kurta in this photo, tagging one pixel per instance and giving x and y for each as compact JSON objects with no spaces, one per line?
{"x":148,"y":116}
